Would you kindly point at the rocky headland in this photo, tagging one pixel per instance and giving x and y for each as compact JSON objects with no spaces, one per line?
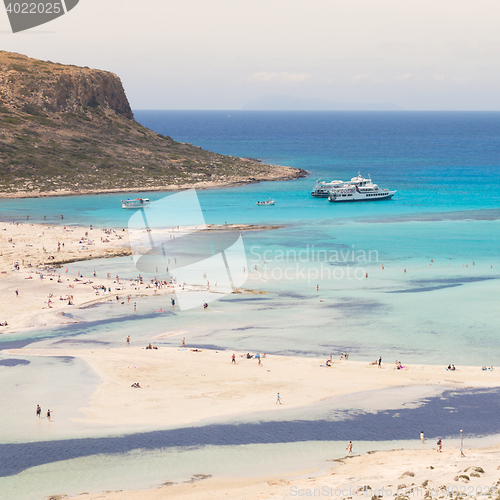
{"x":70,"y":130}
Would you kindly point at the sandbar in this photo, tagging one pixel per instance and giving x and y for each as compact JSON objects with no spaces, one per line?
{"x":182,"y":386}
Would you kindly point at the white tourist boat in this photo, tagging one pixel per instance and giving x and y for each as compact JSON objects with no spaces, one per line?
{"x":323,"y":189}
{"x":267,"y":203}
{"x":359,"y":189}
{"x":136,"y":203}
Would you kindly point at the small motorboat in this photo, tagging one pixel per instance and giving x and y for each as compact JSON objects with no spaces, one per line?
{"x":137,"y":203}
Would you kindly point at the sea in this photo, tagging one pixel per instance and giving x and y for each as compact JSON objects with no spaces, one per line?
{"x":415,"y":279}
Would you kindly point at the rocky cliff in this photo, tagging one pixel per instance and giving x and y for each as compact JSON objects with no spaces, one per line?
{"x":66,"y":129}
{"x":57,"y":88}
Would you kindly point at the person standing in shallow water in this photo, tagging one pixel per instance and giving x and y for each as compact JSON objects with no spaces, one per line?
{"x":38,"y":411}
{"x":422,"y":437}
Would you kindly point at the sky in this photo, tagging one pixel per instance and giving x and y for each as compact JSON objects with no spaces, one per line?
{"x":219,"y":54}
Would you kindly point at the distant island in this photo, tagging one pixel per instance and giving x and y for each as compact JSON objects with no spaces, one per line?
{"x":291,"y":103}
{"x":70,"y":130}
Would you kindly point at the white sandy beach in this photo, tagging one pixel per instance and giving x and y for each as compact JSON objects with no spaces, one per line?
{"x":401,"y":474}
{"x":33,"y":260}
{"x":181,"y":386}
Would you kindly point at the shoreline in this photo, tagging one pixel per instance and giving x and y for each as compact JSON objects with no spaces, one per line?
{"x":205,"y":384}
{"x":37,"y":288}
{"x":286,"y":174}
{"x":397,"y":473}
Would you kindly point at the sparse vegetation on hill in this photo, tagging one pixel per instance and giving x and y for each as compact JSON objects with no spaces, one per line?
{"x":66,"y":129}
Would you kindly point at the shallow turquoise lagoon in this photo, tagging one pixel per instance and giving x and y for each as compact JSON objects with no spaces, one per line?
{"x":442,"y":227}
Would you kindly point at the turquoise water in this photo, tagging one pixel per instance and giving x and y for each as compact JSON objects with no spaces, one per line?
{"x":443,"y":227}
{"x":438,"y":162}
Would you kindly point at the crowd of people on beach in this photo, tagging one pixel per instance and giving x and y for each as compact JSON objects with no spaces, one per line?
{"x":50,"y":243}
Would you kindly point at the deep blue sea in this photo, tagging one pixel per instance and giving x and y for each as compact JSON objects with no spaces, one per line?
{"x":442,"y":226}
{"x":437,"y":161}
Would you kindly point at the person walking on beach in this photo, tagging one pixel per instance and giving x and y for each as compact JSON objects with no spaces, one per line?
{"x":38,"y":411}
{"x":380,"y":361}
{"x":349,"y":447}
{"x":278,"y":399}
{"x":440,"y":445}
{"x":422,"y":437}
{"x":128,"y":340}
{"x":233,"y":359}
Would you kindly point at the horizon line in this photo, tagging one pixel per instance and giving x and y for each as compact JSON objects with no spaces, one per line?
{"x":328,"y":110}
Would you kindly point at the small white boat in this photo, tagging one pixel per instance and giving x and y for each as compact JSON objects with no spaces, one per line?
{"x":137,"y":203}
{"x":266,"y":203}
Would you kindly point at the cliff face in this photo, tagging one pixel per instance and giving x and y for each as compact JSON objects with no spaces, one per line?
{"x":89,"y":88}
{"x":56,"y":87}
{"x":65,"y":129}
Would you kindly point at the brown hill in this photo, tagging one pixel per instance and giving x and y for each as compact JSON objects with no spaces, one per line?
{"x":66,"y":129}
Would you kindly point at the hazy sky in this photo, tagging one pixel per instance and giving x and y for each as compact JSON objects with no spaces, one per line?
{"x":218,"y":54}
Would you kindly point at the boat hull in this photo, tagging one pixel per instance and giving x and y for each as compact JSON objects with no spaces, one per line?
{"x":135,"y":204}
{"x":320,"y":195}
{"x":354,"y":200}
